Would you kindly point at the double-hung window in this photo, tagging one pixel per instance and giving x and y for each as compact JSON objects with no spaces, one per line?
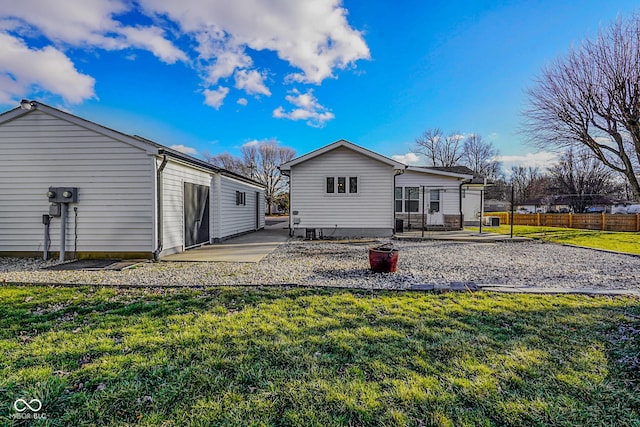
{"x":341,"y":185}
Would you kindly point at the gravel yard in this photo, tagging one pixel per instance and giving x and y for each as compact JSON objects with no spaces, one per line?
{"x":346,"y":265}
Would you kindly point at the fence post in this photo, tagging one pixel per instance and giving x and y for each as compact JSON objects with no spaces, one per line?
{"x":570,"y":220}
{"x":638,"y":222}
{"x":604,"y":222}
{"x":538,"y":219}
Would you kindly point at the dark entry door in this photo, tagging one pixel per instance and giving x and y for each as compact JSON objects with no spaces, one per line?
{"x":196,"y":214}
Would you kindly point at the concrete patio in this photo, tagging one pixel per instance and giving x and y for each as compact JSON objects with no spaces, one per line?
{"x":251,"y":247}
{"x":457,"y":235}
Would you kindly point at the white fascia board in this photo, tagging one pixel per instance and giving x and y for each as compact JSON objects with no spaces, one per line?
{"x":342,"y":143}
{"x":439,"y":172}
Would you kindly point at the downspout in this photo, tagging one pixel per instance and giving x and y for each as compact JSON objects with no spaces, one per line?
{"x":156,"y":253}
{"x":460,"y":199}
{"x":395,"y":174}
{"x":287,"y":173}
{"x":394,"y":205}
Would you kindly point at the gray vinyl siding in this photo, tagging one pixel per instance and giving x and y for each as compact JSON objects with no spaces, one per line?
{"x":239,"y":218}
{"x":174,"y":176}
{"x":449,"y":189}
{"x":370,"y":208}
{"x":115,"y":183}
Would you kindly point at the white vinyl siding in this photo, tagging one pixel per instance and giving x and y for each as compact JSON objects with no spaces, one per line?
{"x":240,"y":218}
{"x":174,"y":176}
{"x":370,"y":207}
{"x":115,"y":183}
{"x":449,"y":188}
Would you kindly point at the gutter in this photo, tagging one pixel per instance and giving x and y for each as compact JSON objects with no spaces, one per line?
{"x":156,"y":253}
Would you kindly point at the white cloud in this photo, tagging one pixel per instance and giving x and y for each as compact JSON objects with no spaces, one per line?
{"x":215,"y":98}
{"x":309,"y":109}
{"x":252,"y":143}
{"x":23,"y":68}
{"x":73,"y":22}
{"x":408,"y":159}
{"x":312,"y":36}
{"x":219,"y":37}
{"x":184,"y":149}
{"x":251,"y":82}
{"x":225,"y":63}
{"x":242,"y":101}
{"x":541,"y":160}
{"x":151,"y":39}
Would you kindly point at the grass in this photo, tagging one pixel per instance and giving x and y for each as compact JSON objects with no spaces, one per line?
{"x":609,"y":240}
{"x":317,"y":357}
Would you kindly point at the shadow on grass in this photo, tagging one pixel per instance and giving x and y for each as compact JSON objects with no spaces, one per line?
{"x":240,"y":356}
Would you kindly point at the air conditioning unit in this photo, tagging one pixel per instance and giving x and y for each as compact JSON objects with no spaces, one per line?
{"x":492,"y":221}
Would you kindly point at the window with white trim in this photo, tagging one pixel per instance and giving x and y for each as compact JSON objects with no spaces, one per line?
{"x":407,"y":199}
{"x":341,"y":185}
{"x":241,"y":198}
{"x":434,"y":200}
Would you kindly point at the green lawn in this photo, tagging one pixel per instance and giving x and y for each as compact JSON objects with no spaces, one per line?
{"x":318,"y":357}
{"x":609,"y":240}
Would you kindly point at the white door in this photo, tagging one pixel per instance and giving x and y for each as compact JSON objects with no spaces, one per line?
{"x":435,"y":215}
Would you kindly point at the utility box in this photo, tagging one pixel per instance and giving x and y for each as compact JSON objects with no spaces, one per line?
{"x":492,"y":221}
{"x":54,"y":209}
{"x":63,"y":194}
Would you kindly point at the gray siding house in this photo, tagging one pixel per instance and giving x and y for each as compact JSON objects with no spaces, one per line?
{"x":133,"y":198}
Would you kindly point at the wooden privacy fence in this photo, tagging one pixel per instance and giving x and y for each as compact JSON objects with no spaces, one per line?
{"x":590,"y":221}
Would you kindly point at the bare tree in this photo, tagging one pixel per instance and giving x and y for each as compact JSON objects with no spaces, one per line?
{"x":528,"y":183}
{"x":259,"y":161}
{"x":226,"y":161}
{"x":438,"y":149}
{"x":481,"y":157}
{"x":591,"y":98}
{"x":582,"y":179}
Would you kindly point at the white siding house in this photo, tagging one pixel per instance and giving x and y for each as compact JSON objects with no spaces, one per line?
{"x":341,"y":190}
{"x":135,"y":198}
{"x":345,"y":190}
{"x":436,"y":193}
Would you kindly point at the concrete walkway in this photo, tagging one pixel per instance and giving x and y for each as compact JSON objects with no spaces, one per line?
{"x":251,"y":247}
{"x":458,"y":235}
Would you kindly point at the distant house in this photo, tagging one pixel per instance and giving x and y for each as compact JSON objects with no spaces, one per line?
{"x":343,"y":189}
{"x":106,"y":194}
{"x":547,"y":204}
{"x":494,"y":205}
{"x":622,"y":207}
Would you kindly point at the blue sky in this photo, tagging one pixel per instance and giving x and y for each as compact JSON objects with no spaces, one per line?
{"x":212,"y":75}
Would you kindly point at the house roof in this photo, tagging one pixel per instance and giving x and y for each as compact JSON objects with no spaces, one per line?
{"x":456,"y":171}
{"x":151,"y":147}
{"x":442,"y":171}
{"x":342,"y":143}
